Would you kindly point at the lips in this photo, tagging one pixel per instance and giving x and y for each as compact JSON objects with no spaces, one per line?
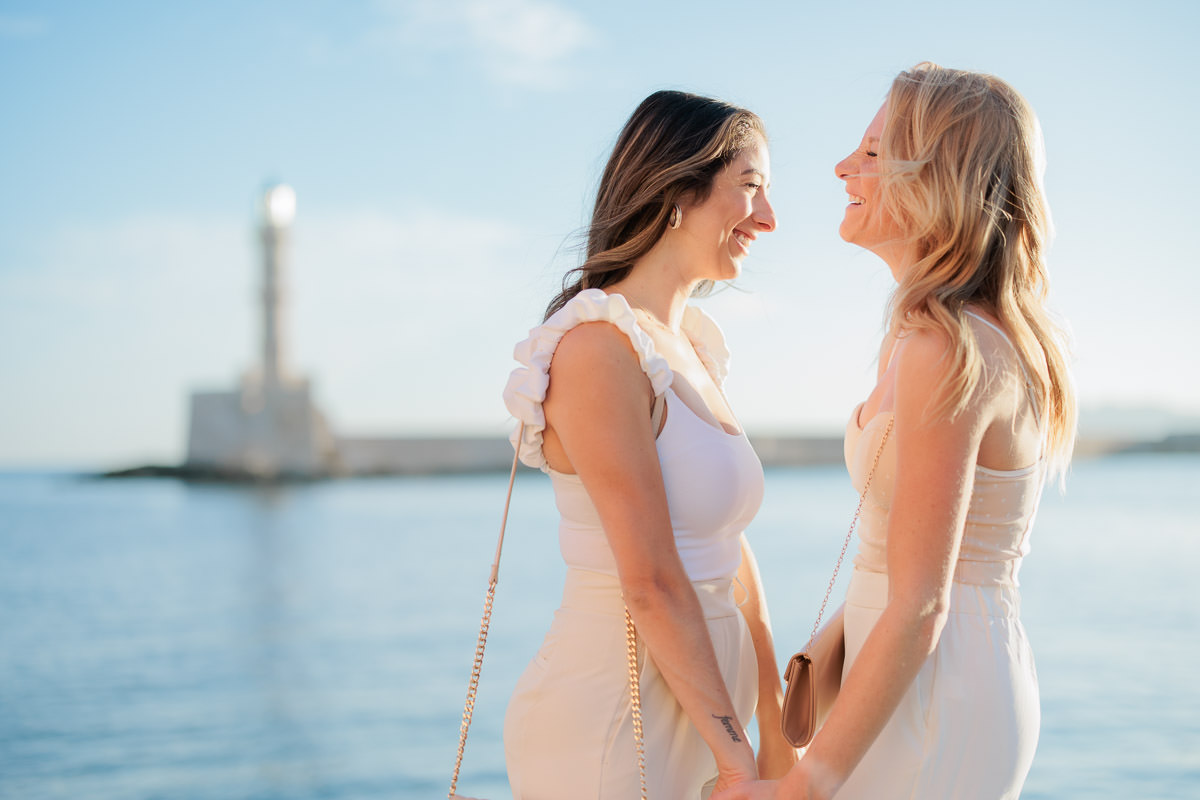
{"x":743,"y":238}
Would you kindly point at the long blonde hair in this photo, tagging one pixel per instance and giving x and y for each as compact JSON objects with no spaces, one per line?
{"x":962,"y":160}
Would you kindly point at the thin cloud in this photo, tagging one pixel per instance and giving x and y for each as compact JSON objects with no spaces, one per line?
{"x":526,"y":43}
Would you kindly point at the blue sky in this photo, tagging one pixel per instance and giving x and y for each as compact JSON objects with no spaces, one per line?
{"x":443,"y":154}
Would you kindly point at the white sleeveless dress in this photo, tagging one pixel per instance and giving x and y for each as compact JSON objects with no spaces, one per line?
{"x":968,"y":725}
{"x":568,"y":730}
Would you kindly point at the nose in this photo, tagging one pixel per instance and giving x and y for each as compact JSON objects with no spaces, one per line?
{"x":843,"y":169}
{"x":764,"y":213}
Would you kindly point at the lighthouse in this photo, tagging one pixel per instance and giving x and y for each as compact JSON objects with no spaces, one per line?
{"x":268,"y":427}
{"x":278,"y":210}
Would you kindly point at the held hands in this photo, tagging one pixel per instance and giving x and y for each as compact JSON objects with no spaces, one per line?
{"x":735,"y":764}
{"x":775,"y":756}
{"x":733,"y":778}
{"x":799,"y":783}
{"x":750,"y":790}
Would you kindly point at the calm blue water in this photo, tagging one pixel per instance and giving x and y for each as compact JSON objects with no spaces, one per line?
{"x":165,"y":641}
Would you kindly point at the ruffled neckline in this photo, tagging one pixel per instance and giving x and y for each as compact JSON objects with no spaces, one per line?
{"x":708,"y":341}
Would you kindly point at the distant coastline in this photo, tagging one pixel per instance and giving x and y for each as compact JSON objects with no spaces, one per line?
{"x":447,"y":455}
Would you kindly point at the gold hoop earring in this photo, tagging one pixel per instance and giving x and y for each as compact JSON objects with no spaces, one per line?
{"x":676,"y":217}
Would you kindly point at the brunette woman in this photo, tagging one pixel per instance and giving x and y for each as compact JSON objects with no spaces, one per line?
{"x":621,"y":393}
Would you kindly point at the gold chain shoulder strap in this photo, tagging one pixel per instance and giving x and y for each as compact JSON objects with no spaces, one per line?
{"x":850,"y":533}
{"x":481,"y":643}
{"x":473,"y":685}
{"x":635,"y":697}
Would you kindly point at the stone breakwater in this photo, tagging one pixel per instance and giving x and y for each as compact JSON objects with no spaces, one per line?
{"x":432,"y":455}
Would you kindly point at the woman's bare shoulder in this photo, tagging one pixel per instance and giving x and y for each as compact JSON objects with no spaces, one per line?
{"x":594,"y":344}
{"x":924,"y":352}
{"x":597,"y":357}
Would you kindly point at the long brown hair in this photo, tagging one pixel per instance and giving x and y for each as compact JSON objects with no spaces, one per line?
{"x":962,"y":159}
{"x":670,"y":150}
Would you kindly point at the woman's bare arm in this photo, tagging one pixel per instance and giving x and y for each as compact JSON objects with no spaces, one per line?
{"x":934,"y":473}
{"x":775,"y":755}
{"x":598,"y":405}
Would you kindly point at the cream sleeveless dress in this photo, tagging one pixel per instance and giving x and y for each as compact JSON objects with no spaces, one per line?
{"x":568,"y":731}
{"x":968,"y":725}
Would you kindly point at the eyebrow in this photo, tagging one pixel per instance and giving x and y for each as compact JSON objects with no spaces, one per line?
{"x":758,"y":172}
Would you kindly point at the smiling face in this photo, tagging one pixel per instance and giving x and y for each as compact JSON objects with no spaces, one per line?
{"x":866,"y":222}
{"x":721,"y":228}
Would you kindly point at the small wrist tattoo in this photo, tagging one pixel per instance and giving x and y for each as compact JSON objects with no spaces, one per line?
{"x":728,"y":723}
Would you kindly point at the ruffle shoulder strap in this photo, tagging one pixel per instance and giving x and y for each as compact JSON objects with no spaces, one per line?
{"x":527,"y":384}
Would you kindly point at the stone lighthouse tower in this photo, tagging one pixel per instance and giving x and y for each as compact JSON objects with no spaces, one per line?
{"x":269,"y":426}
{"x":278,"y":210}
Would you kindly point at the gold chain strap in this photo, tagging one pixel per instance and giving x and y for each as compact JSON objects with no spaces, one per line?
{"x":635,"y":693}
{"x":635,"y":696}
{"x":476,"y":669}
{"x":472,"y":686}
{"x":850,"y":533}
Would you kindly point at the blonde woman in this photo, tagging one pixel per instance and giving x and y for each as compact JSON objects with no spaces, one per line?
{"x":939,"y":696}
{"x":620,"y":391}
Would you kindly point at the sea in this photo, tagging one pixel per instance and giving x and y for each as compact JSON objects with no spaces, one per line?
{"x":161,"y":640}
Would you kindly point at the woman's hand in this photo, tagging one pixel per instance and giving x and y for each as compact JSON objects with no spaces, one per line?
{"x":750,"y":790}
{"x":741,"y":773}
{"x":807,"y":780}
{"x":775,"y":757}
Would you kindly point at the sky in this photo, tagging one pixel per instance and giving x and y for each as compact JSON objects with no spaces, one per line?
{"x":445,"y":156}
